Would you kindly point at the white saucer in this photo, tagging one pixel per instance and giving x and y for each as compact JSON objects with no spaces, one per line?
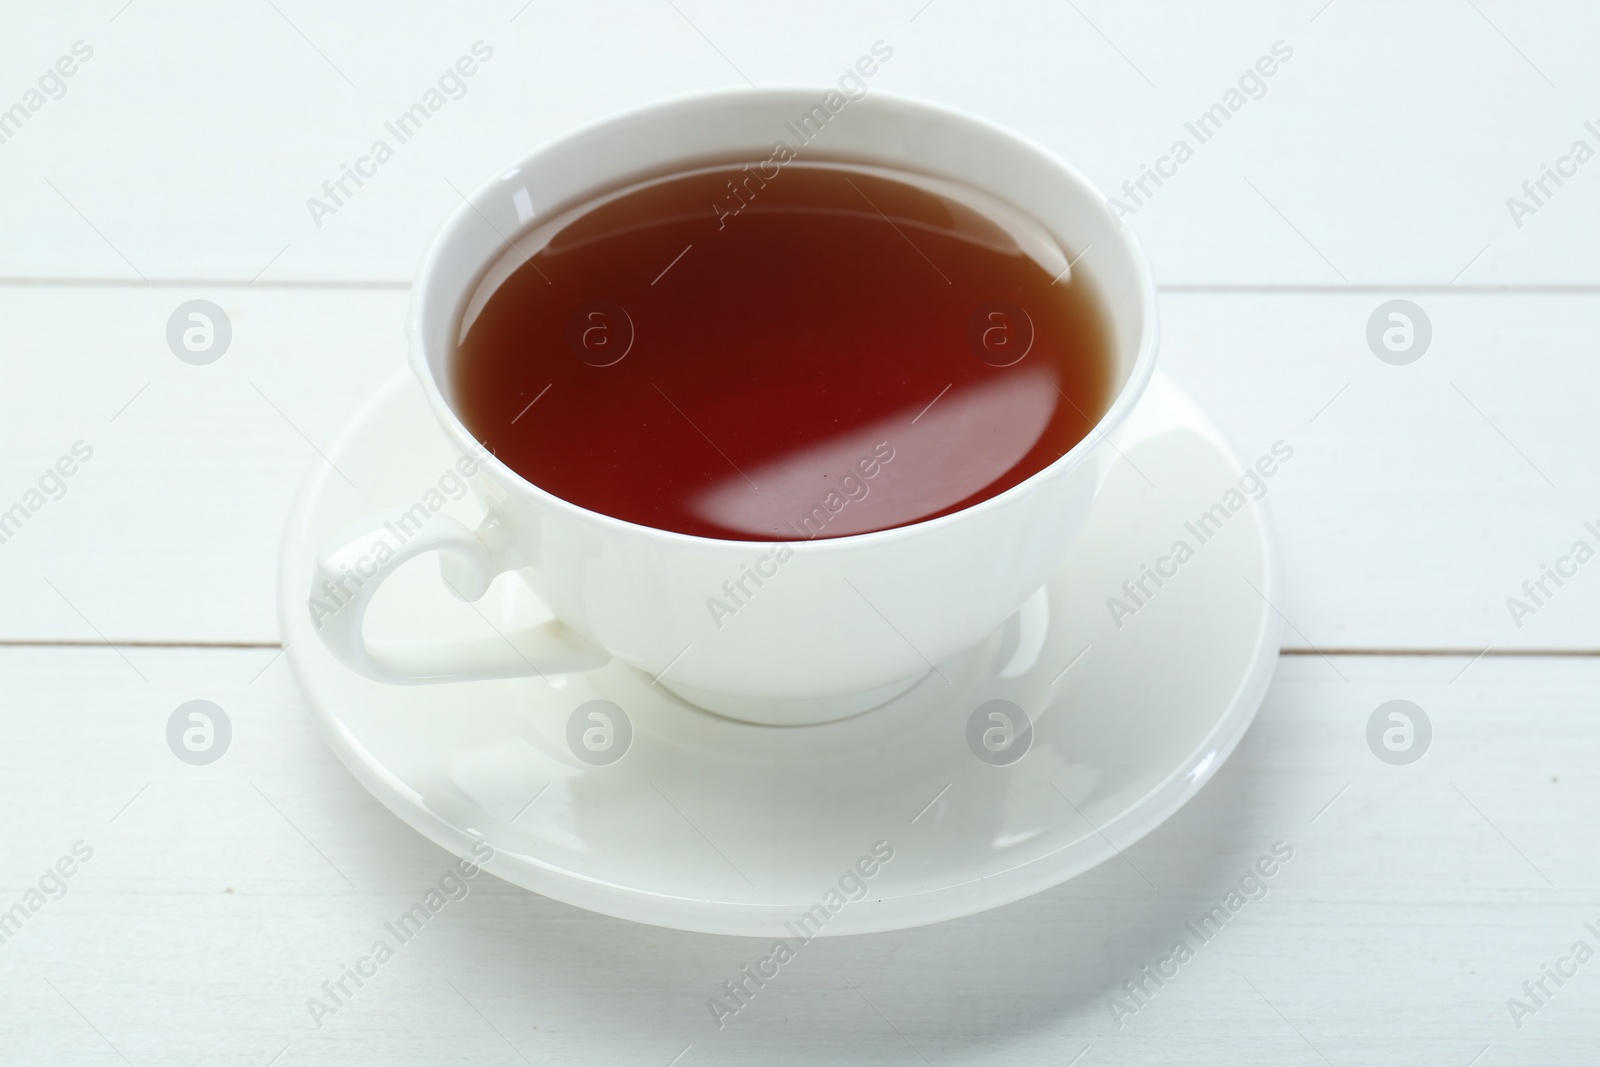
{"x":718,"y":826}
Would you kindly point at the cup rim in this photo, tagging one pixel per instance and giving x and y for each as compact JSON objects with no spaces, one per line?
{"x":1116,"y":412}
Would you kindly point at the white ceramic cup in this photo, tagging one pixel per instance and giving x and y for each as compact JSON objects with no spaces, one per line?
{"x":838,"y":625}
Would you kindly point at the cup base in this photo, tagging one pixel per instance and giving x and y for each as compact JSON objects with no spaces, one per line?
{"x":767,"y":712}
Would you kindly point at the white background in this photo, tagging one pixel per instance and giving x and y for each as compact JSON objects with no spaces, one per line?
{"x":1377,"y":165}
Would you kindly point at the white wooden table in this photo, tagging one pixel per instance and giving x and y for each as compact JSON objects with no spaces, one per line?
{"x":175,"y":164}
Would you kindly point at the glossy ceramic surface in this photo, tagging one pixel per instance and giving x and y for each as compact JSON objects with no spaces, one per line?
{"x":708,"y":824}
{"x":844,"y":622}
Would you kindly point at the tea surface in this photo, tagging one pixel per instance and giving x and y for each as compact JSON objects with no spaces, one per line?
{"x":778,"y":353}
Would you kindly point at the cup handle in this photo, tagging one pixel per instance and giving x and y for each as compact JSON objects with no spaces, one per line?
{"x":354,"y":563}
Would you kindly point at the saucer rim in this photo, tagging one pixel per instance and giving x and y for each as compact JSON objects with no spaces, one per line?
{"x":744,"y":918}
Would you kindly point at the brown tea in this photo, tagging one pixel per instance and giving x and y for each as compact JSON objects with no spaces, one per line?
{"x":783,"y":351}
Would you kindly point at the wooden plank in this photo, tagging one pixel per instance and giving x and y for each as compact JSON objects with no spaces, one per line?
{"x":1383,"y":151}
{"x":1416,"y":504}
{"x":218,"y":899}
{"x":169,"y":531}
